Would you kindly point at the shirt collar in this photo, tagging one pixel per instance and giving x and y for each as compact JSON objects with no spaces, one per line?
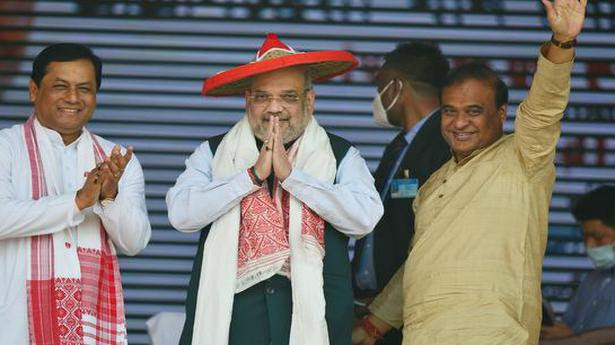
{"x":477,"y":152}
{"x":55,"y":137}
{"x":412,"y":132}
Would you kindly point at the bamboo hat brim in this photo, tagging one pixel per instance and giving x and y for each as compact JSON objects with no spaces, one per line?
{"x":274,"y":55}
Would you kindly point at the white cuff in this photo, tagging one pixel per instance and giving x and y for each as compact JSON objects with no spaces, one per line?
{"x":75,"y":216}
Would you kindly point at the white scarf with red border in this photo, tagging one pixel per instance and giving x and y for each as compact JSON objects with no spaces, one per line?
{"x":313,"y":155}
{"x":74,"y":289}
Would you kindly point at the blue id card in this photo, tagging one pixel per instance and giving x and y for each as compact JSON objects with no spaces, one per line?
{"x":404,"y":188}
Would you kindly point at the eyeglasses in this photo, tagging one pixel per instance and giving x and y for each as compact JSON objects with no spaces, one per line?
{"x":263,"y":99}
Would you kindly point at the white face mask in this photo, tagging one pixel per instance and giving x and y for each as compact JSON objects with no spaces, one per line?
{"x":603,"y":257}
{"x":379,"y":111}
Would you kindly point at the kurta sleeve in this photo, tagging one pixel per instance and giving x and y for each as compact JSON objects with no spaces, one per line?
{"x":197,"y":199}
{"x":537,"y":123}
{"x":351,"y":204}
{"x":388,"y":305}
{"x":24,"y":216}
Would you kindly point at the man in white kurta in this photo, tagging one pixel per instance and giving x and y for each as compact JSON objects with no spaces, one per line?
{"x":67,"y":218}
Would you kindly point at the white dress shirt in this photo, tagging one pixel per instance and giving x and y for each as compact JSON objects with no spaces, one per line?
{"x":351,"y":205}
{"x":125,"y":219}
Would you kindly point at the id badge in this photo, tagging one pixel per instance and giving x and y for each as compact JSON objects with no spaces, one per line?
{"x":404,"y":188}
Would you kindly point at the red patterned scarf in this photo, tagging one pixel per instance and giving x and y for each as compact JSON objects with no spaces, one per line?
{"x":85,"y":305}
{"x":264,"y":248}
{"x":277,"y":235}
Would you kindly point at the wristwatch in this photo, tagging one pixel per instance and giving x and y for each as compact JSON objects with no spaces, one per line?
{"x":563,"y":45}
{"x":107,"y":201}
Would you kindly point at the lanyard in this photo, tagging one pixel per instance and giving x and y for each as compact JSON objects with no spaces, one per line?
{"x":387,"y":185}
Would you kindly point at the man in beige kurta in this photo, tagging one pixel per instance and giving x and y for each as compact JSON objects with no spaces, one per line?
{"x":474,"y":271}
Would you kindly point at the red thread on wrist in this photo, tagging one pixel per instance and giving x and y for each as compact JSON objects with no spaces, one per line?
{"x":254,"y":178}
{"x":370,"y":328}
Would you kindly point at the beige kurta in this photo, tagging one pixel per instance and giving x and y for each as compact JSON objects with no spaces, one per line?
{"x":474,"y":272}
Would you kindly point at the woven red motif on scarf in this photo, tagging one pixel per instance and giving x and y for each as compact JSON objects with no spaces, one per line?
{"x":263,"y":233}
{"x":312,"y":227}
{"x":69,"y":310}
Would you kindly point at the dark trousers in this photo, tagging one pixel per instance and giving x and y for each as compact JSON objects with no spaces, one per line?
{"x":262,"y":313}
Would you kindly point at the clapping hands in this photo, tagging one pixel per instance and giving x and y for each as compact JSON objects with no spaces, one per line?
{"x":102,"y":181}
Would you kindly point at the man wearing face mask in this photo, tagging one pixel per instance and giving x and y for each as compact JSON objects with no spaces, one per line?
{"x":408,"y":84}
{"x":590,"y":317}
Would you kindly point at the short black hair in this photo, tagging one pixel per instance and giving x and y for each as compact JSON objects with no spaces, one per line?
{"x":597,"y":204}
{"x":64,"y":52}
{"x":481,"y":72}
{"x":420,"y":63}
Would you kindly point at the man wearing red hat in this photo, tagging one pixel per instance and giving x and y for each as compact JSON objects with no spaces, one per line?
{"x":276,"y":199}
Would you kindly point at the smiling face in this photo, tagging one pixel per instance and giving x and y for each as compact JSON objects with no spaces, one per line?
{"x":280,"y":93}
{"x":470,"y":119}
{"x":66,"y":97}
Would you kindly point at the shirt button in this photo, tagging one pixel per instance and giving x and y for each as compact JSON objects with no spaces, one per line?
{"x":444,"y":181}
{"x":441,"y":195}
{"x":67,"y":244}
{"x":269,"y":290}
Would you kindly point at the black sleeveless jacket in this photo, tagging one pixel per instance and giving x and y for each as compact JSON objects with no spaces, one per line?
{"x":336,"y":270}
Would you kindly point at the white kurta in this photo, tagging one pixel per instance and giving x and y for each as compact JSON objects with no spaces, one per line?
{"x":351,"y":205}
{"x":125,"y":219}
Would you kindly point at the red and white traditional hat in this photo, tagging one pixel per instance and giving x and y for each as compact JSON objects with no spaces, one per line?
{"x":275,"y":55}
